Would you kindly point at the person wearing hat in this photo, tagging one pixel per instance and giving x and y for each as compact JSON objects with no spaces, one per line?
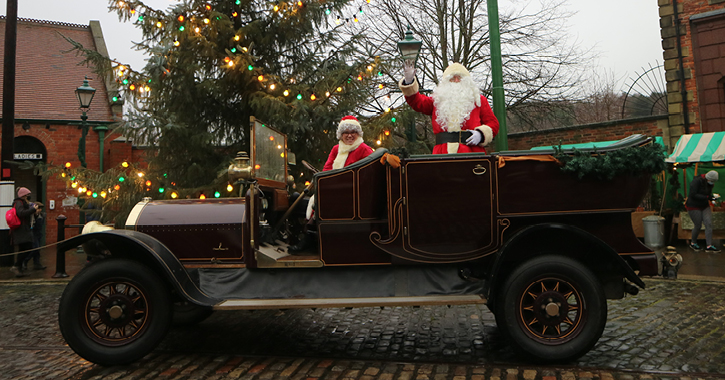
{"x":350,"y":148}
{"x":22,"y":236}
{"x":463,"y":121}
{"x":698,"y":207}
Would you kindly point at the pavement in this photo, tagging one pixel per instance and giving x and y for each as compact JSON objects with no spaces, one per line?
{"x":74,"y":262}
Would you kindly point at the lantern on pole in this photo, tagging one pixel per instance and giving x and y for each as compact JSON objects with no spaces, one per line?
{"x":409,"y":47}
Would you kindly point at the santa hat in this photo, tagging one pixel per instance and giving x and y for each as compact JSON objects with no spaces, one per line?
{"x":349,"y":124}
{"x":455,"y":69}
{"x":23,"y":191}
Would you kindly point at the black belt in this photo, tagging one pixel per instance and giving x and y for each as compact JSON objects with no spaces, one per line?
{"x":453,"y":137}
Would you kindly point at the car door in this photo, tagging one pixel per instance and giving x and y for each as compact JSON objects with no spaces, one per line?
{"x":448,"y":208}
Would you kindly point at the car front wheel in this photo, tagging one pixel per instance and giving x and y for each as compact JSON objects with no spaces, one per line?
{"x":115,"y":312}
{"x":553,"y":309}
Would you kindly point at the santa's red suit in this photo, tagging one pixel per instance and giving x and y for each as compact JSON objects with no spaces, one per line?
{"x":343,"y":155}
{"x":480,"y":118}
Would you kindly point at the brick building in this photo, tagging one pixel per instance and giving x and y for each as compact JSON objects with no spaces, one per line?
{"x":47,"y":114}
{"x":693,"y":39}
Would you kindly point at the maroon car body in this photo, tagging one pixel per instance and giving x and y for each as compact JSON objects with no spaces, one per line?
{"x":542,"y":248}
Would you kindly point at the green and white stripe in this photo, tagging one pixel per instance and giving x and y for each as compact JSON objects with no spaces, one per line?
{"x":700,"y":147}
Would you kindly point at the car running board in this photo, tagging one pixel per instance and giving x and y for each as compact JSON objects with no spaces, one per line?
{"x":276,"y":256}
{"x":304,"y":303}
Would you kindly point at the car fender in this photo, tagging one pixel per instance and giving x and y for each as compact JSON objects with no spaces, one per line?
{"x":548,"y":235}
{"x":149,"y":251}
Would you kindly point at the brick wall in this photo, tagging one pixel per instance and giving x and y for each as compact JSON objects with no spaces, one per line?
{"x":61,"y":144}
{"x":676,"y":72}
{"x":612,"y":130}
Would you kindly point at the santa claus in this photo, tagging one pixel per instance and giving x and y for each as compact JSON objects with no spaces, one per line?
{"x":462,"y":118}
{"x":350,"y":148}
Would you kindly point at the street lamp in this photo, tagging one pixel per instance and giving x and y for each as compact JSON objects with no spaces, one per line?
{"x":84,"y":93}
{"x":409,"y":47}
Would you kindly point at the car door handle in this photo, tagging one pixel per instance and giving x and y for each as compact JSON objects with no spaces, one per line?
{"x":479,"y":170}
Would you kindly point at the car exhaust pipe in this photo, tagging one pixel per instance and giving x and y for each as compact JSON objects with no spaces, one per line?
{"x":671,"y":262}
{"x":631,"y":289}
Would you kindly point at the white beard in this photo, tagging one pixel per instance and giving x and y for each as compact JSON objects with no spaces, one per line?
{"x":454,"y":102}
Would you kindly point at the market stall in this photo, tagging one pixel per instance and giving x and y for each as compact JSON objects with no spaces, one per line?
{"x":693,"y":155}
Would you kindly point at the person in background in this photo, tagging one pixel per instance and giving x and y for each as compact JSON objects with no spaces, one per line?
{"x":22,"y":236}
{"x":698,"y":207}
{"x":463,"y":122}
{"x":349,"y":149}
{"x":38,"y":232}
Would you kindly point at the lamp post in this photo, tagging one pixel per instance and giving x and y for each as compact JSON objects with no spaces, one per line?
{"x":499,"y":103}
{"x":85,"y":95}
{"x":409,"y":47}
{"x":409,"y":50}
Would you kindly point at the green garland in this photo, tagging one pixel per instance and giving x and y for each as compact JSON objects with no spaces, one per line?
{"x":649,"y":158}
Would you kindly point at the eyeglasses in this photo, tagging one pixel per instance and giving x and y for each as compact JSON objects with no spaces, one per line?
{"x":349,"y":133}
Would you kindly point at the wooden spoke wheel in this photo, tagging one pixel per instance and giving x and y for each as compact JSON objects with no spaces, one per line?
{"x":115,"y":311}
{"x":550,"y":311}
{"x":552,"y":308}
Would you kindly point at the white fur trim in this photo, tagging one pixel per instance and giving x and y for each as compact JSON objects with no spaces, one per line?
{"x":310,"y":207}
{"x":455,"y":69}
{"x":339,"y":162}
{"x":452,"y":147}
{"x":487,"y":134}
{"x":343,"y":150}
{"x":410,"y":89}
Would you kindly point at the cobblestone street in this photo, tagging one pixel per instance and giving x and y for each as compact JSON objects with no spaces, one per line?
{"x":673,"y":329}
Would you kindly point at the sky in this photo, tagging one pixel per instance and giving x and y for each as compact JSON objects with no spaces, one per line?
{"x":624,"y":33}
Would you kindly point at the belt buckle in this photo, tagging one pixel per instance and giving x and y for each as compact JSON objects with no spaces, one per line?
{"x":460,"y":133}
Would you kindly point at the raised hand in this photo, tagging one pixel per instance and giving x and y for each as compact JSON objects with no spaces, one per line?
{"x":409,"y":71}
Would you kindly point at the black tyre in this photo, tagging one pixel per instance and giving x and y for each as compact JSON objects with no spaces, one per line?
{"x":188,"y":314}
{"x":552,"y":308}
{"x":114,"y":312}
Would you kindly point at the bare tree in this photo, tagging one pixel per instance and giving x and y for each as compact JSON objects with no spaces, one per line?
{"x":604,"y":102}
{"x":541,"y":63}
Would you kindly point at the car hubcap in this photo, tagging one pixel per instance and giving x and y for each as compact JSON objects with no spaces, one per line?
{"x":116,"y":313}
{"x":550,"y":311}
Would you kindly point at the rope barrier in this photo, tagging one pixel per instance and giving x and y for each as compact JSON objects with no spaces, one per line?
{"x":31,"y":250}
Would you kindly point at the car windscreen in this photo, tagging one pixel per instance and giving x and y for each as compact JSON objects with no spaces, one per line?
{"x":269,"y":153}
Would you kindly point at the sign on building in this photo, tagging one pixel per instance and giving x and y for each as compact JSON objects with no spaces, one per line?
{"x":28,"y":156}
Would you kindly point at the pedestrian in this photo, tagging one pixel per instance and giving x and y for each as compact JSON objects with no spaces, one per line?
{"x":698,"y":207}
{"x":38,"y":233}
{"x":463,"y":122}
{"x":22,"y":237}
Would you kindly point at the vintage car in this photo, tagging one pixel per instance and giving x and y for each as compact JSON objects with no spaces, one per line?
{"x":542,"y":248}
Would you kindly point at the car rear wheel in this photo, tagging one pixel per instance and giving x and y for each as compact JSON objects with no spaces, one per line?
{"x":553,"y":309}
{"x":114,"y":312}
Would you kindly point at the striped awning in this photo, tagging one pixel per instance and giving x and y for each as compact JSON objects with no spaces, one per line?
{"x":700,"y":147}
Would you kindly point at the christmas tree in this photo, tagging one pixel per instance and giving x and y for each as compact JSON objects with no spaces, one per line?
{"x":213,"y":64}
